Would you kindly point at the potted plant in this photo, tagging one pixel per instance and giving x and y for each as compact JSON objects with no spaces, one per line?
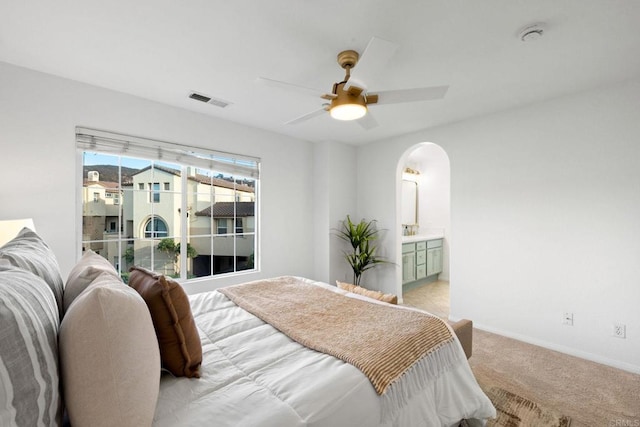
{"x":360,"y":237}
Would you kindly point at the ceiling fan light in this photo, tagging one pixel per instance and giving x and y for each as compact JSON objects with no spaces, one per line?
{"x":348,"y":111}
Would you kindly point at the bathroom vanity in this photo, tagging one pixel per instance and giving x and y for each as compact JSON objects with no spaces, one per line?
{"x":421,"y":258}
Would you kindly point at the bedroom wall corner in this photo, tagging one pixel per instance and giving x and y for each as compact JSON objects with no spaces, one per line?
{"x":378,"y":199}
{"x":321,"y":203}
{"x":335,"y":183}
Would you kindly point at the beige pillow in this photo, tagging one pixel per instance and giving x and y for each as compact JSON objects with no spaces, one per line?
{"x":90,"y":266}
{"x":180,"y":346}
{"x":389,"y":298}
{"x":109,"y":357}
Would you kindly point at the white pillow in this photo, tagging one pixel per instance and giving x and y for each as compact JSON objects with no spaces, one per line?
{"x":109,"y":356}
{"x":90,"y":266}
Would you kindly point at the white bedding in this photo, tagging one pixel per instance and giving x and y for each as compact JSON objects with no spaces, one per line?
{"x":253,"y":375}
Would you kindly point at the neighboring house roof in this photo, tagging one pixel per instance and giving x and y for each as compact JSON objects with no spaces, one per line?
{"x":218,"y":182}
{"x":225,"y":210}
{"x":160,"y":168}
{"x":203,"y":179}
{"x":106,"y":184}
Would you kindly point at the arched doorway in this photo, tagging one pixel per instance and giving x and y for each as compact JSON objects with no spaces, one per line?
{"x":423,"y":196}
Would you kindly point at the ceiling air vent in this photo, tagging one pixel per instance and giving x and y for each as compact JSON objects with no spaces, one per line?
{"x":209,"y":100}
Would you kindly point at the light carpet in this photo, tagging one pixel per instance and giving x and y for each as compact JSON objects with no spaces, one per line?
{"x":514,"y":411}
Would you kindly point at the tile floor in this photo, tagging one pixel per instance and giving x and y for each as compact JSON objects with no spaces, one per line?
{"x":432,"y":297}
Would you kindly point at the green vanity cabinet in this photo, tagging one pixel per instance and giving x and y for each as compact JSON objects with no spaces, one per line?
{"x":421,"y":259}
{"x":434,"y":257}
{"x":408,"y":262}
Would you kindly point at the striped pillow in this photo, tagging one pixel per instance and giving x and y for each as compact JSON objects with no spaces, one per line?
{"x":29,"y":378}
{"x":29,"y":252}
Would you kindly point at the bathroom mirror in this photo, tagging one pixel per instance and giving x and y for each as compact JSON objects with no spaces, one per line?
{"x":409,"y":202}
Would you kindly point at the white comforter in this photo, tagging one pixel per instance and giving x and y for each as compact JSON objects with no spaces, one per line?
{"x":253,"y":375}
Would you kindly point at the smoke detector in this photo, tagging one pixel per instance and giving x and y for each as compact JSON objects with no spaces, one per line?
{"x":531,"y":32}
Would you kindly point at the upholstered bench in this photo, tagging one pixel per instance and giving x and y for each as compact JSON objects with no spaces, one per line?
{"x":464,"y":331}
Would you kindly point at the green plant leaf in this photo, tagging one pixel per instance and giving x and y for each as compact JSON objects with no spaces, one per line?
{"x":360,"y":236}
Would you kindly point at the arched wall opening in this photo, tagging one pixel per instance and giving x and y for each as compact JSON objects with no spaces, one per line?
{"x":432,"y":176}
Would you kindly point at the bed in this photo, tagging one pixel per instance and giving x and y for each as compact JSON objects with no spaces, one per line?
{"x":101,"y":363}
{"x":254,"y":375}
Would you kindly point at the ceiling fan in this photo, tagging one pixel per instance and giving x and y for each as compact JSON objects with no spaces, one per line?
{"x":349,"y":99}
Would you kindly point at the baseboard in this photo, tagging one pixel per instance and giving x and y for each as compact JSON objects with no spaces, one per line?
{"x":555,"y":347}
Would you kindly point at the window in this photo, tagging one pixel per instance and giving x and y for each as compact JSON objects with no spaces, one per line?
{"x":96,"y":197}
{"x":203,"y":225}
{"x":154,"y":192}
{"x":155,"y":228}
{"x":222,"y":226}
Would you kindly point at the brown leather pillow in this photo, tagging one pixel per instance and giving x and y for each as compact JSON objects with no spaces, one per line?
{"x":180,"y":347}
{"x":388,"y":298}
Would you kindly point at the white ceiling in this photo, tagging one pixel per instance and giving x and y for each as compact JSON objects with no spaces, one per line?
{"x":164,"y":49}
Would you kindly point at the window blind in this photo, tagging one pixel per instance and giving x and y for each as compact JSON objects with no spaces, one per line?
{"x":124,"y":145}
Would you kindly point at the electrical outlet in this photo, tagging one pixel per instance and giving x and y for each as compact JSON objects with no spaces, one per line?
{"x":619,"y":330}
{"x":567,"y":319}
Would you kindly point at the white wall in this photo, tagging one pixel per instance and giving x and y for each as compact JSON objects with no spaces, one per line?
{"x":39,"y":169}
{"x":545,"y":218}
{"x":335,"y":185}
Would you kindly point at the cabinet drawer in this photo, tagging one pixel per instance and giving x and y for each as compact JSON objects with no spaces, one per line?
{"x":421,"y":245}
{"x":421,"y":257}
{"x":408,"y":247}
{"x":421,"y":271}
{"x":434,"y":243}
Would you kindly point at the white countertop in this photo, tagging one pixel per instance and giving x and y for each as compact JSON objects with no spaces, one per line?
{"x":422,"y":237}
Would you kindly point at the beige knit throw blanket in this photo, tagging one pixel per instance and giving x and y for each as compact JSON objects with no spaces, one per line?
{"x":383,"y":341}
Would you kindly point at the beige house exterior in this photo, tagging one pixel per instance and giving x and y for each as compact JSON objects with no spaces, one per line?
{"x":101,"y":210}
{"x":149,"y":207}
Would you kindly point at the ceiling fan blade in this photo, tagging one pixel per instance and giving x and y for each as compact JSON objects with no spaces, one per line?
{"x":355,"y":90}
{"x":288,"y":86}
{"x":367,"y":121}
{"x":329,"y":96}
{"x":411,"y":95}
{"x":372,"y":61}
{"x":307,"y":116}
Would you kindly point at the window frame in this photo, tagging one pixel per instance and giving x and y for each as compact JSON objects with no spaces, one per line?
{"x":155,"y":233}
{"x":220,"y":227}
{"x":84,"y":141}
{"x":154,"y":192}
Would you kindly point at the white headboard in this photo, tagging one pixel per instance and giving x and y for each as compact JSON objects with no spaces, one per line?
{"x":10,"y":228}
